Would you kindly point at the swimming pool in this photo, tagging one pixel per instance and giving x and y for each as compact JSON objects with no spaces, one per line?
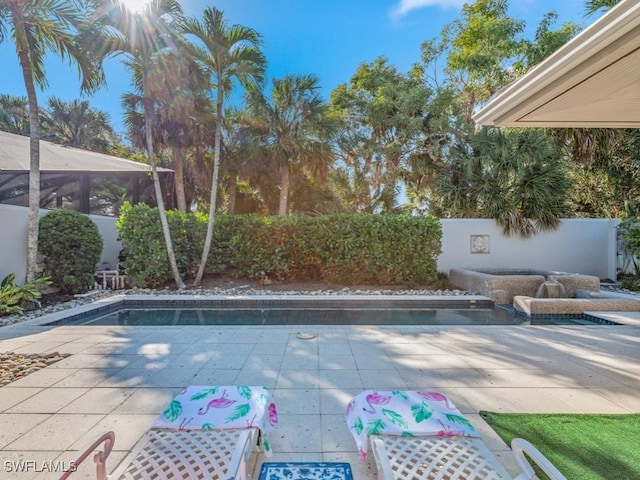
{"x":298,"y":316}
{"x":224,"y":316}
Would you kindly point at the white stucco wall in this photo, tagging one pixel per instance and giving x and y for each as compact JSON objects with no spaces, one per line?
{"x":586,"y":246}
{"x":13,"y":240}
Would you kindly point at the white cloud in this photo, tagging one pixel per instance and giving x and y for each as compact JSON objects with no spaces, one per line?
{"x":405,"y":6}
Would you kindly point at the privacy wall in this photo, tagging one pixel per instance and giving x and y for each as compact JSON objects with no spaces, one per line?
{"x":13,"y":240}
{"x":586,"y":246}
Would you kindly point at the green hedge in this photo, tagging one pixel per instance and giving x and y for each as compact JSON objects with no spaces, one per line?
{"x":71,"y":245}
{"x":146,"y":262}
{"x":336,"y":249}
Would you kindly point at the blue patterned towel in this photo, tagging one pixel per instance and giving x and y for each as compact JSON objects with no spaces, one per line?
{"x":305,"y":471}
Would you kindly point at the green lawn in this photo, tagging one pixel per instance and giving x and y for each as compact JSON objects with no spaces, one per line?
{"x":582,"y":447}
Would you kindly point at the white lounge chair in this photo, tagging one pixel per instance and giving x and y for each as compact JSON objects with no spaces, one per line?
{"x":205,"y":432}
{"x":178,"y":454}
{"x":450,"y":458}
{"x":186,"y":454}
{"x":423,"y":436}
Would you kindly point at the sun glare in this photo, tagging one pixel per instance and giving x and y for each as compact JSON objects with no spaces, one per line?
{"x":135,"y":6}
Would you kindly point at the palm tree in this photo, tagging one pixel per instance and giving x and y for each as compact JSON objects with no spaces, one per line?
{"x":14,"y":114}
{"x":77,"y":124}
{"x":177,"y":88}
{"x":228,"y":53}
{"x":36,"y":27}
{"x":592,"y":6}
{"x":142,"y":36}
{"x":235,"y":151}
{"x":588,"y":145}
{"x":293,"y":127}
{"x":511,"y":175}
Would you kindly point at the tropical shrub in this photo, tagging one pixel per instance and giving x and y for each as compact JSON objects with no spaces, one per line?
{"x":345,"y":249}
{"x":146,"y":263}
{"x":145,"y":256}
{"x":630,"y":228}
{"x":630,"y":283}
{"x":71,"y":246}
{"x":15,"y":298}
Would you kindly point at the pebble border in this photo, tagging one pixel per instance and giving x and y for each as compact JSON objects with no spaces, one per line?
{"x":14,"y":366}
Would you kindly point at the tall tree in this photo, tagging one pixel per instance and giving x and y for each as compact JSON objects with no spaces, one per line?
{"x":294,"y":129}
{"x":483,"y":43}
{"x":228,"y":52}
{"x":382,"y":115}
{"x":484,"y":50}
{"x":236,"y":151}
{"x":37,"y":27}
{"x":142,"y":36}
{"x":176,"y":85}
{"x":77,"y":124}
{"x":14,"y":114}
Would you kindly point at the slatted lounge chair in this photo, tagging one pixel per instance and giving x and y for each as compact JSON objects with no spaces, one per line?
{"x":452,"y":458}
{"x":423,"y":436}
{"x":187,"y":454}
{"x":178,"y":454}
{"x":205,"y":432}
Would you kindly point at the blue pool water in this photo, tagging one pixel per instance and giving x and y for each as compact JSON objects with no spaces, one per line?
{"x":300,"y":316}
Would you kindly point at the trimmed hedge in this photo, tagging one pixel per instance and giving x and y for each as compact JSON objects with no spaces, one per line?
{"x":71,"y":246}
{"x":146,"y":263}
{"x":337,"y":249}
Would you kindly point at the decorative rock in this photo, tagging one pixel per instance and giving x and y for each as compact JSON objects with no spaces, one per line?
{"x":14,"y":366}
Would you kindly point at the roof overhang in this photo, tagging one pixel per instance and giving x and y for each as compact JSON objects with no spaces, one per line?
{"x":592,"y":81}
{"x":14,"y":157}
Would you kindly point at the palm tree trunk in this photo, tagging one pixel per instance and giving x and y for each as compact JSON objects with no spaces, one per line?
{"x":34,"y":168}
{"x":214,"y":188}
{"x":284,"y":190}
{"x":178,"y":169}
{"x":233,"y":188}
{"x":148,"y":113}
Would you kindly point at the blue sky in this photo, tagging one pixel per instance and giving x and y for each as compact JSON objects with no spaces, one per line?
{"x":329,"y":38}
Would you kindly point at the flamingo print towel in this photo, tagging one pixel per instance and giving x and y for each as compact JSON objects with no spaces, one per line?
{"x":404,"y":413}
{"x":209,"y":407}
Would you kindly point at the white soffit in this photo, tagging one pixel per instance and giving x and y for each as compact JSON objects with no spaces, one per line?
{"x":592,"y":81}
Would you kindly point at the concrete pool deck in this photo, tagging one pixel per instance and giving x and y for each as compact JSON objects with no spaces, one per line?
{"x":120,"y":378}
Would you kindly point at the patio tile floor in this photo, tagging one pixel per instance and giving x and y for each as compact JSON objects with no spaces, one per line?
{"x":120,"y":378}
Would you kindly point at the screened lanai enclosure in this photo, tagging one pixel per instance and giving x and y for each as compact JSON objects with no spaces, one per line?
{"x":75,"y":179}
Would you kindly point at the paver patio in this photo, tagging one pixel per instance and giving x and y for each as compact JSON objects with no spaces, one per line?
{"x":120,"y":378}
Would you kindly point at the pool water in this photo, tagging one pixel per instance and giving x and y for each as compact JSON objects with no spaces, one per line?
{"x":300,"y":316}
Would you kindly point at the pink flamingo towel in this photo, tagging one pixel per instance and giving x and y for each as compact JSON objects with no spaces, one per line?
{"x":209,"y":407}
{"x":426,"y":413}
